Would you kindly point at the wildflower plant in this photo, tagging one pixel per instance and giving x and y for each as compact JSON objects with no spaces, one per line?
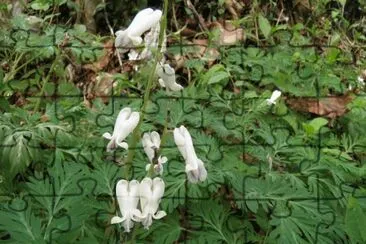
{"x":148,"y":193}
{"x":230,"y":149}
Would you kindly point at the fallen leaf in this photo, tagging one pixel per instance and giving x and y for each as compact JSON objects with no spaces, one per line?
{"x":228,"y":33}
{"x":331,"y":107}
{"x":104,"y":61}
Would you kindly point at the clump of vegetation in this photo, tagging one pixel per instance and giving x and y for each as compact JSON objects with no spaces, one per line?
{"x":248,"y":123}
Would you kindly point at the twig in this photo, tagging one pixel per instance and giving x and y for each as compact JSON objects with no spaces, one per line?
{"x":198,"y":16}
{"x":112,"y":33}
{"x":279,"y":17}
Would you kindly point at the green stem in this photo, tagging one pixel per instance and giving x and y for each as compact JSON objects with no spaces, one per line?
{"x":45,"y":81}
{"x":136,"y":133}
{"x":15,"y":69}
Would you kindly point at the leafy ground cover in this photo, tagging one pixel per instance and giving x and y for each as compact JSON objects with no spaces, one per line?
{"x":289,"y":172}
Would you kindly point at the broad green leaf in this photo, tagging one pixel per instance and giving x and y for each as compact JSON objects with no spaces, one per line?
{"x":21,"y":223}
{"x":264,"y":25}
{"x":218,"y":77}
{"x":355,"y":221}
{"x":314,"y":126}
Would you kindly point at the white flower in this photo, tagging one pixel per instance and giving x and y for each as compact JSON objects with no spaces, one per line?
{"x":126,"y":122}
{"x":127,"y":194}
{"x":151,"y":143}
{"x":275,"y":95}
{"x":167,"y":77}
{"x":360,"y":81}
{"x":143,"y":21}
{"x":151,"y":42}
{"x":195,"y":168}
{"x":133,"y":55}
{"x":151,"y":192}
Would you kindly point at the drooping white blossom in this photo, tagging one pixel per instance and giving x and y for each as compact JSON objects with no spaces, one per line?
{"x":143,"y":21}
{"x":360,"y":81}
{"x":167,"y":77}
{"x":275,"y":95}
{"x":151,"y":143}
{"x":195,"y":168}
{"x":151,"y":40}
{"x":128,"y":197}
{"x":126,"y":122}
{"x":151,"y":192}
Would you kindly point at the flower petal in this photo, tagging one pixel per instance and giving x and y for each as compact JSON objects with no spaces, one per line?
{"x":158,"y":188}
{"x":107,"y":136}
{"x":155,"y":139}
{"x":145,"y":192}
{"x":180,"y":142}
{"x":202,"y":170}
{"x":111,"y":145}
{"x":148,"y":146}
{"x":162,"y":160}
{"x":136,"y":215}
{"x":147,"y":167}
{"x":143,"y":21}
{"x":122,"y":188}
{"x":159,"y":215}
{"x":116,"y":220}
{"x":123,"y":145}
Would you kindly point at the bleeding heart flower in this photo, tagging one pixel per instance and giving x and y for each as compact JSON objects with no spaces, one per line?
{"x":195,"y":168}
{"x":275,"y":95}
{"x":167,"y":77}
{"x":126,"y":122}
{"x":151,"y":143}
{"x":151,"y":192}
{"x":143,"y":21}
{"x":127,"y":194}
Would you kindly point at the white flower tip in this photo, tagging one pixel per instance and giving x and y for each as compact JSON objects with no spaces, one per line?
{"x":179,"y":136}
{"x":147,"y":167}
{"x":120,"y":33}
{"x":191,"y":167}
{"x":107,"y":136}
{"x":176,"y":87}
{"x":161,"y":82}
{"x":116,"y":220}
{"x":162,"y":160}
{"x":123,"y":145}
{"x":270,"y":102}
{"x":136,"y":40}
{"x":168,"y":69}
{"x":159,"y":214}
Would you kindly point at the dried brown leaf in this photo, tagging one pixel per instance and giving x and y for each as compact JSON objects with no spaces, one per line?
{"x":330,"y":107}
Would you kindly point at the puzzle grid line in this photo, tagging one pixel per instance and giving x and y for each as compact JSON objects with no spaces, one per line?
{"x":221,"y":147}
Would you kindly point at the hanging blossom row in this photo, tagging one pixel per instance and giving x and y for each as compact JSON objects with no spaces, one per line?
{"x":129,"y":40}
{"x":149,"y":191}
{"x":139,"y":201}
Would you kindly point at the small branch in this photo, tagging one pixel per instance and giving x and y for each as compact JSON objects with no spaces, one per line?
{"x":198,"y":16}
{"x":136,"y":133}
{"x":112,"y":33}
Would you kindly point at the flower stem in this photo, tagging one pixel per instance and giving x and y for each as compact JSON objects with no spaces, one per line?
{"x":136,"y":135}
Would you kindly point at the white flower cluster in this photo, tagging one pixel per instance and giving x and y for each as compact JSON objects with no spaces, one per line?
{"x":147,"y":20}
{"x":129,"y":194}
{"x":139,"y":201}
